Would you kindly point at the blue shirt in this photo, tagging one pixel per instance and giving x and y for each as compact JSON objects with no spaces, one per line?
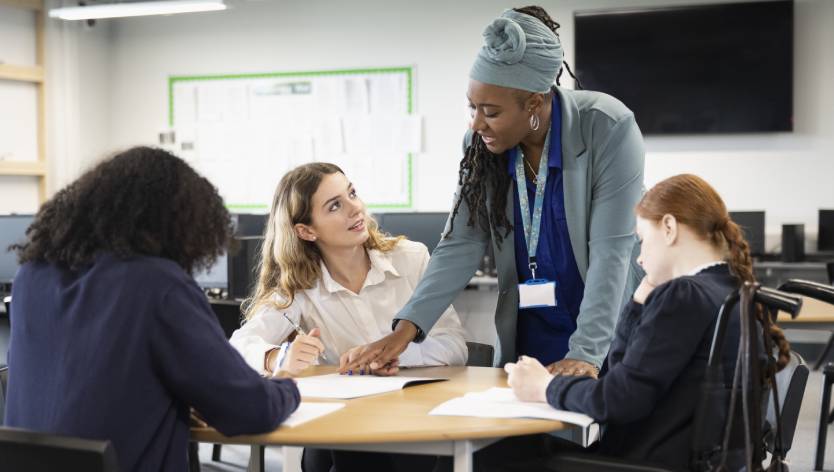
{"x":119,"y":350}
{"x":543,"y":333}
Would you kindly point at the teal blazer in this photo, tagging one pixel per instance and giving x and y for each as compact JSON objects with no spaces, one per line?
{"x":603,"y":158}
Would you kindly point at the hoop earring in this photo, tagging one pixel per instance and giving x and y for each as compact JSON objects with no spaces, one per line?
{"x":534,"y":122}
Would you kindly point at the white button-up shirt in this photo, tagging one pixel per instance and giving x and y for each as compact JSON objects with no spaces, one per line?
{"x":347,"y":319}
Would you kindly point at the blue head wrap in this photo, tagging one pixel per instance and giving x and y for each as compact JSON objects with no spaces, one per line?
{"x":519,"y":52}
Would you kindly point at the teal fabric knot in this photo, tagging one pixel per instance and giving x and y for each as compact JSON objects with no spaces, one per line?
{"x":505,"y":41}
{"x":519,"y":52}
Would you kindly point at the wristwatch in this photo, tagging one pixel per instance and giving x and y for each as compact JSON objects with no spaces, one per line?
{"x":418,"y":338}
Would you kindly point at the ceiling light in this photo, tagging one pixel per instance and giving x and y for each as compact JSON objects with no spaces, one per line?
{"x":120,"y":10}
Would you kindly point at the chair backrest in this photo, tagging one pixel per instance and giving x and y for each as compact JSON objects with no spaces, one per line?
{"x":790,"y":385}
{"x":480,"y":355}
{"x":5,"y":336}
{"x":712,"y":414}
{"x":228,"y":315}
{"x":41,"y":452}
{"x":4,"y":380}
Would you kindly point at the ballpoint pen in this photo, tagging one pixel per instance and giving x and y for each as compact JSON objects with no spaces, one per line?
{"x":301,"y":332}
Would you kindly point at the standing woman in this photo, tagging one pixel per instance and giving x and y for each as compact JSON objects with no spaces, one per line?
{"x":549,"y":177}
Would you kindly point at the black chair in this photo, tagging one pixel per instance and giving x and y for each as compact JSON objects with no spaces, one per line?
{"x":480,"y":355}
{"x":790,"y":382}
{"x":823,"y":293}
{"x":4,"y":380}
{"x":829,"y":267}
{"x":42,"y":452}
{"x":826,"y":415}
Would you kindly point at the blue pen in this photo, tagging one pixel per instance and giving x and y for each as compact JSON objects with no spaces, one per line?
{"x":299,"y":331}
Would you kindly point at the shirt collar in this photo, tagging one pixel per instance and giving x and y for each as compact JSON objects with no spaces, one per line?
{"x":704,"y":267}
{"x":380,"y":264}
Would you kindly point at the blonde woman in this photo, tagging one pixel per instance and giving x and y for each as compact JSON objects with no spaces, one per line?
{"x":328,"y":268}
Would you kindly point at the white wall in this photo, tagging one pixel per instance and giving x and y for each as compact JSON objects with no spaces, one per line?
{"x":125,"y":73}
{"x":77,"y":102}
{"x":18,"y":110}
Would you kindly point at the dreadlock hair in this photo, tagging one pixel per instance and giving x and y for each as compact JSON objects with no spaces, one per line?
{"x":693,"y":202}
{"x":483,"y":173}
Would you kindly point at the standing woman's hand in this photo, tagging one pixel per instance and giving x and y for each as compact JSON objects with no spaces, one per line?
{"x":573,"y":367}
{"x":380,"y":354}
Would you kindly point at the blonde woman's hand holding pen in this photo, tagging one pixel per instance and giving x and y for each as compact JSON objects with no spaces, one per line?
{"x":300,"y":354}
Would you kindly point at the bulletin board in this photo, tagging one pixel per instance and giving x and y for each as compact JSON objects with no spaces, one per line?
{"x":244,"y":132}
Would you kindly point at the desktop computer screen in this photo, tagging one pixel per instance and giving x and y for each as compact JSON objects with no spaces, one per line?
{"x":250,"y":224}
{"x":753,"y":226}
{"x":217,"y":276}
{"x":825,"y":237}
{"x":246,"y":225}
{"x":426,"y":228}
{"x":12,"y":231}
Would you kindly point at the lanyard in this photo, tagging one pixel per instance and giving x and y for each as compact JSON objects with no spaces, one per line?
{"x":531,"y":228}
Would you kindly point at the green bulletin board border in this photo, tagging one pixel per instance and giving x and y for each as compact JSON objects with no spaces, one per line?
{"x":408,"y":71}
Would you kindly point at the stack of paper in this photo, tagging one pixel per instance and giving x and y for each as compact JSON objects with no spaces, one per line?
{"x":354,"y":386}
{"x":502,"y":403}
{"x":310,"y":411}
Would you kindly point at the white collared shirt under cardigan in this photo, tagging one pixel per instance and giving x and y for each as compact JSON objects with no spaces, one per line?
{"x":347,"y":319}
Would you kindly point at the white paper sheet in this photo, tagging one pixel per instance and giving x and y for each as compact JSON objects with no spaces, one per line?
{"x":309,"y":411}
{"x":502,"y":403}
{"x":354,"y":386}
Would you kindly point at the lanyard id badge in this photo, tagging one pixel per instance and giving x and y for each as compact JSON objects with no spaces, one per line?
{"x":537,"y":293}
{"x":534,"y":292}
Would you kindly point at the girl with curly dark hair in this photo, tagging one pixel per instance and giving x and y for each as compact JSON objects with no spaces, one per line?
{"x":111,"y":337}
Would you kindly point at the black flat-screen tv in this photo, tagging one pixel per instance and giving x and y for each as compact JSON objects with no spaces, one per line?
{"x":714,"y":68}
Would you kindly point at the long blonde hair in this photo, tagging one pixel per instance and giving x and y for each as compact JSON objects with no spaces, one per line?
{"x":288,"y":263}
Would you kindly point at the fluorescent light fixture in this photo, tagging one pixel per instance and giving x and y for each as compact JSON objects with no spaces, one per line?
{"x":120,"y":10}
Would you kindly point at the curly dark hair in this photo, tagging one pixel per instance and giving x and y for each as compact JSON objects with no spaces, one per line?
{"x":143,"y":201}
{"x":483,"y":173}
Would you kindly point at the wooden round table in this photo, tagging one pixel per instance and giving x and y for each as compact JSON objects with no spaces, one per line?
{"x":399,"y":421}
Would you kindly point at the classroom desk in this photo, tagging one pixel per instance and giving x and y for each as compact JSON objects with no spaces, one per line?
{"x":775,"y":273}
{"x":399,"y":422}
{"x":815,"y":315}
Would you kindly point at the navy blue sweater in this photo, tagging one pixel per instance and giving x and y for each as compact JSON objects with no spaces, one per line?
{"x":119,"y":351}
{"x":657,"y":361}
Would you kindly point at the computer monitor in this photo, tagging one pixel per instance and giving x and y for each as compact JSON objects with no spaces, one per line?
{"x":753,"y":227}
{"x":244,"y":257}
{"x":246,"y":225}
{"x":825,"y":237}
{"x":12,"y":231}
{"x":217,"y":276}
{"x":424,"y":227}
{"x":250,"y":224}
